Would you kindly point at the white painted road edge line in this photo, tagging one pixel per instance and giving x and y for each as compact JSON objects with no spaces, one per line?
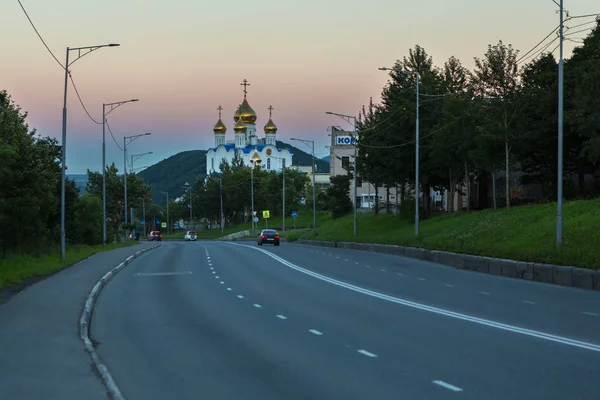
{"x":315,"y":332}
{"x":367,"y":353}
{"x":434,"y":310}
{"x":85,"y":320}
{"x":448,"y":386}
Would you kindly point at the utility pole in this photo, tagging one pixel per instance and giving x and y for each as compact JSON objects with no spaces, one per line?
{"x":222,"y":216}
{"x":144,"y":215}
{"x":559,"y":183}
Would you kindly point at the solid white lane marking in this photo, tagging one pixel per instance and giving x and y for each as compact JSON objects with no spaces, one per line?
{"x":589,"y":313}
{"x":449,"y":285}
{"x":240,"y":296}
{"x":485,"y":293}
{"x":448,"y":386}
{"x":257,"y":306}
{"x":528,"y":302}
{"x":281,"y":316}
{"x":315,"y":332}
{"x":434,"y":310}
{"x":162,"y":273}
{"x":229,"y":289}
{"x":367,"y":353}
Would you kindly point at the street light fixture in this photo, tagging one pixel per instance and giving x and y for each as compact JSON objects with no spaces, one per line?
{"x":81,"y":51}
{"x":312,"y":143}
{"x":127,"y":140}
{"x":347,"y":118}
{"x":417,"y":77}
{"x":135,"y":157}
{"x":112,"y":107}
{"x":254,"y":160}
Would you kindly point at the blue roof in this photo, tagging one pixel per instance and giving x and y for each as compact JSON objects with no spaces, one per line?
{"x":249,"y":148}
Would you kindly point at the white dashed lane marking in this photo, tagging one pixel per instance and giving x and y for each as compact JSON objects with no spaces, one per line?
{"x":449,"y":285}
{"x":589,"y":313}
{"x":448,"y":386}
{"x":257,"y":306}
{"x":229,"y":289}
{"x":315,"y":332}
{"x":528,"y":302}
{"x":484,"y":293}
{"x":367,"y":353}
{"x":240,"y":296}
{"x":281,"y":316}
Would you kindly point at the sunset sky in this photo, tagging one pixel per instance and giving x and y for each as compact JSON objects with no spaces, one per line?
{"x":184,"y":58}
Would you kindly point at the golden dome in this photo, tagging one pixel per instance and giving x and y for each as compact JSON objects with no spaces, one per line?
{"x":247,"y":113}
{"x":270,"y":127}
{"x":236,"y":115}
{"x":239,"y":126}
{"x":220,"y":127}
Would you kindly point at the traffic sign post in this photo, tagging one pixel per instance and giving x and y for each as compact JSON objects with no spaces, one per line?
{"x":294,"y":216}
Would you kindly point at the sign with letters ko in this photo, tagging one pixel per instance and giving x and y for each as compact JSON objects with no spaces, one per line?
{"x":344,"y":140}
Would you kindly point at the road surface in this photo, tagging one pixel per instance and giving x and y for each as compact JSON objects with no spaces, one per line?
{"x":217,"y":320}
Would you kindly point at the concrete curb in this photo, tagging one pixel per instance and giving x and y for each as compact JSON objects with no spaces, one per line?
{"x":546,"y":273}
{"x":85,"y":319}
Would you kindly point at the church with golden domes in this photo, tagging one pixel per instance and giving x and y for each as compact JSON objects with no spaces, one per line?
{"x":246,"y":142}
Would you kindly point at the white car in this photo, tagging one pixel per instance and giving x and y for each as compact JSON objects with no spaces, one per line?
{"x":190,"y":235}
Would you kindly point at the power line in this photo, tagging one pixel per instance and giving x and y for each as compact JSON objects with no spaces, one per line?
{"x":81,"y":101}
{"x":537,"y":45}
{"x":40,"y":36}
{"x":112,"y":135}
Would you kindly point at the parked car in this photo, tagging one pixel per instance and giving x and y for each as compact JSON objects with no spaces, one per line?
{"x":190,"y":235}
{"x":268,"y":236}
{"x":155,"y":235}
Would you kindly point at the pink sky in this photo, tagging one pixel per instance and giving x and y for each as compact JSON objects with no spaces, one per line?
{"x":184,"y":58}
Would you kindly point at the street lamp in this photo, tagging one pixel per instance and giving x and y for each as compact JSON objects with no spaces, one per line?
{"x":559,"y":183}
{"x":254,"y":160}
{"x":347,"y":118}
{"x":112,"y":106}
{"x":168,"y":221}
{"x":281,"y":161}
{"x":81,"y":51}
{"x":312,"y":143}
{"x":188,"y":188}
{"x":127,"y":140}
{"x":135,"y":157}
{"x":417,"y":77}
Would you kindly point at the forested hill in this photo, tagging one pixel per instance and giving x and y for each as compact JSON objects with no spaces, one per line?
{"x":170,"y":174}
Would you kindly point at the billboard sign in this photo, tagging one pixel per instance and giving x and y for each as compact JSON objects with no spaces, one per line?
{"x":344,"y":140}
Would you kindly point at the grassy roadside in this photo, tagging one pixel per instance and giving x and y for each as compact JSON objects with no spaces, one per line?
{"x":525,"y":233}
{"x":15,"y":269}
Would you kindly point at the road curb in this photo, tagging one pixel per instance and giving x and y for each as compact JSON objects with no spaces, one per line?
{"x":85,"y":319}
{"x":545,"y":273}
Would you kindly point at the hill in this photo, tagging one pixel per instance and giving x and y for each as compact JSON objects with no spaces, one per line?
{"x":326,"y":159}
{"x":169,"y":175}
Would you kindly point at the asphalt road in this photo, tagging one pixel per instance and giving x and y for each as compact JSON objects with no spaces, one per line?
{"x":219,"y":320}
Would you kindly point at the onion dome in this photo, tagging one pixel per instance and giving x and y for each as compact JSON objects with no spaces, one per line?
{"x":220,"y":127}
{"x":239,"y":126}
{"x":270,"y":127}
{"x":247,"y":114}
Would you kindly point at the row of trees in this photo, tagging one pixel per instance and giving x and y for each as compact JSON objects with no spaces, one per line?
{"x":486,"y":125}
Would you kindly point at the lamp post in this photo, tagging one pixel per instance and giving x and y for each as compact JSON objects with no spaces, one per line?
{"x":254,"y":160}
{"x":417,"y":78}
{"x":127,"y":140}
{"x":559,"y":183}
{"x":312,"y":143}
{"x":188,"y":188}
{"x":81,"y":51}
{"x":347,"y":118}
{"x":168,"y":221}
{"x":135,"y":157}
{"x":111,"y":106}
{"x":281,"y":161}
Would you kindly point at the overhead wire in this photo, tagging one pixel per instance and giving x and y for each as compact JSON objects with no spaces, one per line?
{"x":81,"y":100}
{"x":112,"y":135}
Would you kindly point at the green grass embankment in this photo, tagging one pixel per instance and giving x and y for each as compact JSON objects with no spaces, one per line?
{"x":525,"y":233}
{"x":16,"y":268}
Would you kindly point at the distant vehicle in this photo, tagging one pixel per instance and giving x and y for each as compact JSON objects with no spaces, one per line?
{"x":190,"y":235}
{"x":268,"y":236}
{"x":155,"y":235}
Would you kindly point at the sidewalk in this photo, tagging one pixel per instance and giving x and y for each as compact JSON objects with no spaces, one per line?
{"x":41,"y":354}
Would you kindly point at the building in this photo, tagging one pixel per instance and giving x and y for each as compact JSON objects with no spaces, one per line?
{"x":341,"y":160}
{"x":246,"y":141}
{"x":322,"y":181}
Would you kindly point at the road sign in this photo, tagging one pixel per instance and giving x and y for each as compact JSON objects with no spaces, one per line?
{"x":255,"y":219}
{"x":142,"y":222}
{"x":163,"y":225}
{"x":266,"y":214}
{"x":253,"y":212}
{"x":294,"y":214}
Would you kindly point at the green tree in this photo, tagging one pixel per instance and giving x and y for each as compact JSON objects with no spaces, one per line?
{"x":337,"y":193}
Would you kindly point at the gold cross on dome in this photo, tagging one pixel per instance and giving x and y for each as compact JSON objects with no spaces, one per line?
{"x":245,"y":84}
{"x":220,"y":109}
{"x":270,"y":108}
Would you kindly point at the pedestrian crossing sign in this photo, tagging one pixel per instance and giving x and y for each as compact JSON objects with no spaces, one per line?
{"x":266,"y":214}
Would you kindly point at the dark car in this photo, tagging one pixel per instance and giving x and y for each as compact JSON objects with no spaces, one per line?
{"x":268,"y":236}
{"x":155,"y":235}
